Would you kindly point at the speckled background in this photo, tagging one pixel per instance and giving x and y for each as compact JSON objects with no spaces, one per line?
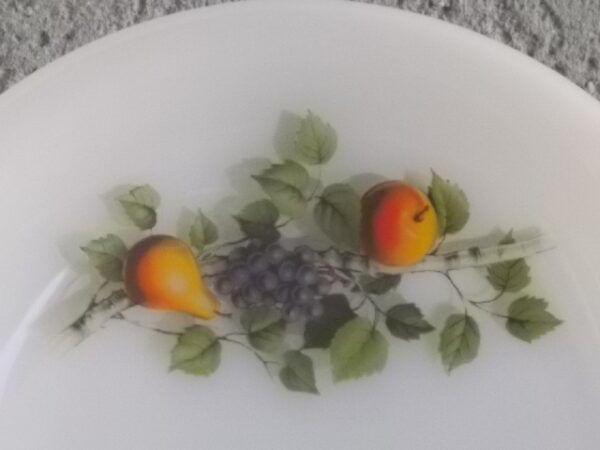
{"x":563,"y":34}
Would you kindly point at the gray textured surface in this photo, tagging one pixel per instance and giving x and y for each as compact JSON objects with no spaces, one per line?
{"x":563,"y":34}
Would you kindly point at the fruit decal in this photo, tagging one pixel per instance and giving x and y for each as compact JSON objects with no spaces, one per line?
{"x":161,"y":272}
{"x":399,"y":224}
{"x":339,"y":288}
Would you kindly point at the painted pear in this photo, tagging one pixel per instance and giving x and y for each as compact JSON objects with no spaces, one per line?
{"x":161,"y":273}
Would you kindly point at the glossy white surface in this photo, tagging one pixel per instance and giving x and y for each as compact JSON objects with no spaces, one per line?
{"x":178,"y":102}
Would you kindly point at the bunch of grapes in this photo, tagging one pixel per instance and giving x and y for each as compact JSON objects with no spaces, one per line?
{"x":268,"y":274}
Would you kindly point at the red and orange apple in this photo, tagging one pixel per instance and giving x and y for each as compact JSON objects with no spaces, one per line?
{"x":399,"y":224}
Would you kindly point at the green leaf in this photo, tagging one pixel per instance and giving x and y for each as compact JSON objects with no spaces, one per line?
{"x":298,"y":373}
{"x":107,"y":255}
{"x":358,"y":349}
{"x":509,"y":276}
{"x":319,"y":332}
{"x":316,"y":141}
{"x":203,"y":232}
{"x":285,"y":184}
{"x":337,"y":213}
{"x":140,"y":206}
{"x":405,"y":321}
{"x":197,"y":352}
{"x":265,"y":328}
{"x":379,"y":285}
{"x":459,"y":341}
{"x":450,"y":203}
{"x":257,"y":220}
{"x":529,"y":320}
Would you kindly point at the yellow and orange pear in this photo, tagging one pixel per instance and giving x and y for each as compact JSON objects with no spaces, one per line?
{"x":161,"y":273}
{"x":399,"y":224}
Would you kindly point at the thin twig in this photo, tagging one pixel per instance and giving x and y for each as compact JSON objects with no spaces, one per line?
{"x":146,"y":327}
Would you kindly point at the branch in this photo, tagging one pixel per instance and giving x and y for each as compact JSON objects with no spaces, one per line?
{"x":96,"y":316}
{"x":462,"y":259}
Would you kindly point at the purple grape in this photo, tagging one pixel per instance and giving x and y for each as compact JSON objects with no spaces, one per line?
{"x":240,"y":276}
{"x":307,"y":275}
{"x":251,"y":295}
{"x":255,"y":244}
{"x":302,"y":295}
{"x":282,"y":295}
{"x":287,"y":271}
{"x":323,"y":286}
{"x":224,"y":286}
{"x":237,"y":254}
{"x":269,"y":281}
{"x":238,"y":300}
{"x":257,"y":263}
{"x":316,"y":309}
{"x":268,"y":299}
{"x":275,"y":254}
{"x":306,"y":254}
{"x":292,"y":314}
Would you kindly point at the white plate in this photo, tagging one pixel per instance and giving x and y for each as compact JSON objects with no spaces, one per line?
{"x":180,"y":101}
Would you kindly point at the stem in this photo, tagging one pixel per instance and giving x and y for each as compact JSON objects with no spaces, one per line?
{"x":146,"y":327}
{"x":317,"y":184}
{"x":472,"y":302}
{"x":96,"y":315}
{"x":97,"y":293}
{"x":491,"y":300}
{"x":471,"y":257}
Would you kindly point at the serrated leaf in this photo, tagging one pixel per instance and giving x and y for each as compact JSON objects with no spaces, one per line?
{"x":337,"y":213}
{"x":285,"y":184}
{"x":357,"y":349}
{"x":197,"y":352}
{"x":450,"y":204}
{"x":319,"y":332}
{"x":203,"y":232}
{"x":107,"y":255}
{"x":509,"y":276}
{"x":258,"y":219}
{"x":140,"y":205}
{"x":379,"y":285}
{"x":459,"y":341}
{"x":528,"y":318}
{"x":316,"y":141}
{"x":265,"y":328}
{"x":405,"y":321}
{"x":298,"y":373}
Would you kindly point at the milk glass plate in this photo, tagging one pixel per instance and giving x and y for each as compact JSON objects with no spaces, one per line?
{"x":193,"y":105}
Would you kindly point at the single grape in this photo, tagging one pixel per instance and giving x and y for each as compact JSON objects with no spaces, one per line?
{"x":251,"y":295}
{"x":306,"y":254}
{"x":269,"y":281}
{"x":275,"y":254}
{"x":287,"y":271}
{"x":237,"y":254}
{"x":282,"y":295}
{"x":240,"y":276}
{"x":316,"y":310}
{"x":292,"y":314}
{"x":238,"y":300}
{"x":302,"y":295}
{"x":255,"y":244}
{"x":224,"y":285}
{"x":268,"y":299}
{"x":307,"y":275}
{"x":323,"y":286}
{"x":257,"y":263}
{"x":219,"y":265}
